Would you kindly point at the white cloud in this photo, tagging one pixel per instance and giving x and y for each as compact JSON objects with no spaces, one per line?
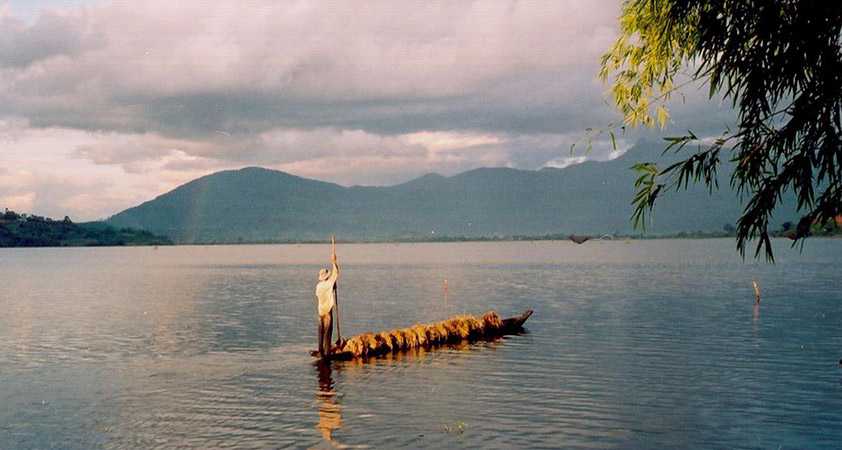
{"x":89,"y":175}
{"x":110,"y":103}
{"x":22,"y":202}
{"x":601,"y":149}
{"x":44,"y":172}
{"x":56,"y":33}
{"x":133,"y":149}
{"x":567,"y":161}
{"x":286,"y":145}
{"x":442,"y":141}
{"x":136,"y":60}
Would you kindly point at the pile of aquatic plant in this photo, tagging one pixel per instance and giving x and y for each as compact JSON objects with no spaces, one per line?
{"x":455,"y":329}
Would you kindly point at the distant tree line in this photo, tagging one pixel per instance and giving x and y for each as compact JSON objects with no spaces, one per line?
{"x":21,"y":230}
{"x":829,"y":228}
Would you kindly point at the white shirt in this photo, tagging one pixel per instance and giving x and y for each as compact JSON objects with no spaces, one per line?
{"x":325,"y":294}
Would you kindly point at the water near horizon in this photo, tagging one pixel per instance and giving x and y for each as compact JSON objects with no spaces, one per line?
{"x":640,"y":344}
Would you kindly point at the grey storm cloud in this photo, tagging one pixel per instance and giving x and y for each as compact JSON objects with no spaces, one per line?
{"x":189,"y":68}
{"x":54,"y":34}
{"x":200,"y":84}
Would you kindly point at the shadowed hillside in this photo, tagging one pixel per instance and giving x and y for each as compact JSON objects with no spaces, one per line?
{"x":255,"y":204}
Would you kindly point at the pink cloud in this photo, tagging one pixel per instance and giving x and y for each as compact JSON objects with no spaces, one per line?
{"x":106,"y":105}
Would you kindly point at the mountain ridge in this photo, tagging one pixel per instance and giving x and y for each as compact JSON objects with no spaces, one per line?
{"x":255,"y":204}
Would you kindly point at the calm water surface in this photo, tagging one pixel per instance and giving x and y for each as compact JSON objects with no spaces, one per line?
{"x":642,"y":344}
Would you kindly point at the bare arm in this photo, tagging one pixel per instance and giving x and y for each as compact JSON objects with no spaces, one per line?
{"x":334,"y":274}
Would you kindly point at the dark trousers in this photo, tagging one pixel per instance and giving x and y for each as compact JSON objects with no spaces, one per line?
{"x":325,"y":333}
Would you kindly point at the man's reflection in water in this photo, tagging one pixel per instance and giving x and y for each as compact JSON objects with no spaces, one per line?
{"x":329,"y":409}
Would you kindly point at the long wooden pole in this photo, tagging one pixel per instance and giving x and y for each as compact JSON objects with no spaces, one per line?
{"x":335,"y":290}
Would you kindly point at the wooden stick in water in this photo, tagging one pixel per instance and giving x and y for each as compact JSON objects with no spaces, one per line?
{"x":335,"y":290}
{"x":756,"y":290}
{"x":445,"y":290}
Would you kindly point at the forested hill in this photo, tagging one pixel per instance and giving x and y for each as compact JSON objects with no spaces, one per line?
{"x":255,"y":204}
{"x":20,"y":230}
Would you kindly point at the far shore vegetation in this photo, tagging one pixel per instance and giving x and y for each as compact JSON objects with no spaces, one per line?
{"x":728,"y":231}
{"x":21,"y":230}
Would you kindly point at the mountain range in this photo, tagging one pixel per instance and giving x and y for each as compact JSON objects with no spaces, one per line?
{"x":256,"y":205}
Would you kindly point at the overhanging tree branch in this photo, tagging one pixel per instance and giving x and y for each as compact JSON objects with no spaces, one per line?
{"x":759,"y":54}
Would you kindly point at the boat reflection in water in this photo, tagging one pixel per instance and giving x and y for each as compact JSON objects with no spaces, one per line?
{"x":330,"y":417}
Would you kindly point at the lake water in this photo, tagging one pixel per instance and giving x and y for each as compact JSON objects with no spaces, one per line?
{"x":640,"y":344}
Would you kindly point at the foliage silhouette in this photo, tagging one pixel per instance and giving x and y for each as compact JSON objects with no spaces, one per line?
{"x":778,"y":62}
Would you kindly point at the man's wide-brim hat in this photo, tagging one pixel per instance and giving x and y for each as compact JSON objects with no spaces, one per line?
{"x":324,"y":274}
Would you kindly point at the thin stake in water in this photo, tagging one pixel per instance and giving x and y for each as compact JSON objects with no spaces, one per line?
{"x":445,"y":290}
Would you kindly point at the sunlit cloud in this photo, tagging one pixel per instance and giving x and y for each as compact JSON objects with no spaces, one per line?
{"x":23,"y":201}
{"x":561,"y":163}
{"x":446,"y":141}
{"x":105,"y":104}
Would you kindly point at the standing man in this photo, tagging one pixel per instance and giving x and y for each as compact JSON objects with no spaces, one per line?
{"x":326,"y":294}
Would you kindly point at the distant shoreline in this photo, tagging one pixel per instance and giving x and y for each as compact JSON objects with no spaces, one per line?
{"x":445,"y":239}
{"x":501,"y":239}
{"x":694,"y":236}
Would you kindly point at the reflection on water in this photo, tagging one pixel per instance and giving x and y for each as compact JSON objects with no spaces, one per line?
{"x":654,"y":344}
{"x":330,"y":416}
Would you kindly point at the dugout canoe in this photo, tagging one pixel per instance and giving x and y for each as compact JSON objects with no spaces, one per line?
{"x":450,"y":331}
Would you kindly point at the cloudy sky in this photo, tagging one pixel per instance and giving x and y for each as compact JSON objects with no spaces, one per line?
{"x":105,"y":104}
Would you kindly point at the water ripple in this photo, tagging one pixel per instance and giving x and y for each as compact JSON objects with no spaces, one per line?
{"x":641,"y":345}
